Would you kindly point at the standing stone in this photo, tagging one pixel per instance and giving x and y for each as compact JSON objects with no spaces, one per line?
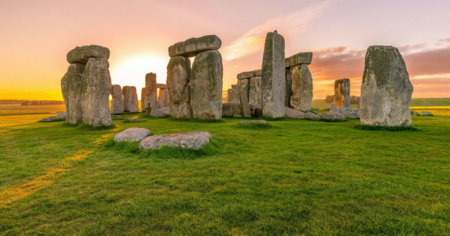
{"x":342,"y":93}
{"x":152,"y":94}
{"x":206,"y":85}
{"x":178,"y":72}
{"x":82,"y":54}
{"x":288,"y":90}
{"x":386,"y":89}
{"x":302,"y":88}
{"x":234,"y":86}
{"x":71,"y":85}
{"x":95,"y":93}
{"x":144,"y":102}
{"x":273,"y":76}
{"x":231,"y":96}
{"x":117,"y":100}
{"x":243,"y":85}
{"x":130,"y":99}
{"x":163,"y":99}
{"x":243,"y":97}
{"x":255,"y":90}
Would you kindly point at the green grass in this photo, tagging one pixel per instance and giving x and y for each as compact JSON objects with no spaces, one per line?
{"x":298,"y":177}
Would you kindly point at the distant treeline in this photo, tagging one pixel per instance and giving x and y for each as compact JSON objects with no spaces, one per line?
{"x":34,"y":103}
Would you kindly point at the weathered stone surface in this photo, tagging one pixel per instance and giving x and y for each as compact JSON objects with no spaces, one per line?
{"x":302,"y":88}
{"x":229,"y":109}
{"x":252,"y":122}
{"x":234,"y":86}
{"x":237,"y":116}
{"x":231,"y":96}
{"x":151,"y":97}
{"x":273,"y":76}
{"x":117,"y":105}
{"x":130,"y":99}
{"x":254,"y":96}
{"x":60,"y":117}
{"x":206,"y":85}
{"x":132,"y":135}
{"x":144,"y":102}
{"x":256,"y":110}
{"x":178,"y":73}
{"x":243,"y":97}
{"x":311,"y":116}
{"x":331,"y":116}
{"x":426,"y":113}
{"x":242,"y":85}
{"x":415,"y":113}
{"x":163,"y":98}
{"x":349,"y":113}
{"x":96,"y":88}
{"x":192,"y":140}
{"x":303,"y":58}
{"x":288,"y":90}
{"x":161,"y":112}
{"x":386,"y":89}
{"x":354,"y":100}
{"x":71,"y":87}
{"x":194,"y":46}
{"x":249,"y":74}
{"x":314,"y":108}
{"x":326,"y":109}
{"x":294,"y":114}
{"x":342,"y":93}
{"x":82,"y":54}
{"x":161,"y":86}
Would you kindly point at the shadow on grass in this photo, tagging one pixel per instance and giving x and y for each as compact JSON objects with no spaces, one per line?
{"x":166,"y":152}
{"x":56,"y":120}
{"x":383,"y":128}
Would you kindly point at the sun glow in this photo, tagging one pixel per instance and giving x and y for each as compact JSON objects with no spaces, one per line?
{"x":132,"y":71}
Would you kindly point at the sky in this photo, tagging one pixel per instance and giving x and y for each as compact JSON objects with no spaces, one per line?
{"x":35,"y":37}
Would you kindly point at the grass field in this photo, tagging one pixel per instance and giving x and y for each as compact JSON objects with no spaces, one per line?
{"x":297,"y":177}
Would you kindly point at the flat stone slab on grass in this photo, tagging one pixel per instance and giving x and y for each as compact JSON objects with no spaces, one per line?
{"x":252,"y":122}
{"x":60,"y":117}
{"x":332,"y":116}
{"x":192,"y":140}
{"x":426,"y":113}
{"x":161,"y":112}
{"x":415,"y":113}
{"x":132,"y":135}
{"x":129,"y":120}
{"x":294,"y":114}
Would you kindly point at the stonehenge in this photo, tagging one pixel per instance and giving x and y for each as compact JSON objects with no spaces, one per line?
{"x":196,"y":92}
{"x":86,"y":86}
{"x":299,"y":84}
{"x":130,"y":99}
{"x":386,"y":89}
{"x":273,"y":76}
{"x":342,"y":93}
{"x":117,"y":104}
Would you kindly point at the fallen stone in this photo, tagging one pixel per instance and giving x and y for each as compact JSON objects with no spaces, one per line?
{"x":326,"y":109}
{"x":386,"y":89}
{"x":95,"y":93}
{"x":206,"y":85}
{"x":132,"y":135}
{"x":130,"y":99}
{"x":192,"y":140}
{"x":415,"y":113}
{"x":331,"y":116}
{"x":60,"y":117}
{"x":249,"y":74}
{"x":130,"y":120}
{"x":161,"y":112}
{"x":117,"y":105}
{"x":349,"y":113}
{"x":82,"y":54}
{"x":294,"y":114}
{"x":230,"y":109}
{"x":254,"y":96}
{"x":299,"y":59}
{"x":314,"y":108}
{"x":252,"y":122}
{"x":237,"y":116}
{"x":71,"y":88}
{"x":311,"y":116}
{"x":342,"y":93}
{"x":426,"y":113}
{"x":178,"y":72}
{"x":273,"y":76}
{"x":194,"y":46}
{"x":302,"y":88}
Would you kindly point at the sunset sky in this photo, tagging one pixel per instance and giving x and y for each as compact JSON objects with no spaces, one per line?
{"x":35,"y":37}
